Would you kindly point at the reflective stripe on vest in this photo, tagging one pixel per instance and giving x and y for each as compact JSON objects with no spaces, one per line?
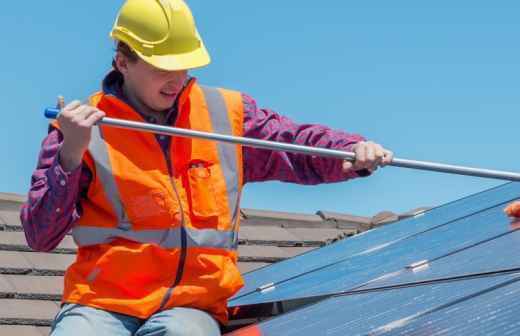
{"x":166,"y":238}
{"x":98,"y":149}
{"x":226,"y":152}
{"x":85,"y":235}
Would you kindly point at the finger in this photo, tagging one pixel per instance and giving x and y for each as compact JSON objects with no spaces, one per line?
{"x":380,"y":152}
{"x":72,"y":105}
{"x":79,"y":114}
{"x":347,"y":166}
{"x":361,"y":156}
{"x":61,"y":103}
{"x":371,"y":153}
{"x":84,"y":112}
{"x":380,"y":155}
{"x":388,"y":157}
{"x":372,"y":160}
{"x":94,"y":118}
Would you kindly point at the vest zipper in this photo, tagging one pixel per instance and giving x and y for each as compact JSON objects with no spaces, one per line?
{"x":182,"y":258}
{"x":184,"y":240}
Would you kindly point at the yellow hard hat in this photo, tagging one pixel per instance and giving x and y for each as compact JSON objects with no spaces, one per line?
{"x":162,"y":33}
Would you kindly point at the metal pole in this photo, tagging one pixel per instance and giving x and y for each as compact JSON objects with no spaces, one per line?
{"x":52,"y":113}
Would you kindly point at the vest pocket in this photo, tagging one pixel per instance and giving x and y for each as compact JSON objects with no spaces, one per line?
{"x":203,"y":200}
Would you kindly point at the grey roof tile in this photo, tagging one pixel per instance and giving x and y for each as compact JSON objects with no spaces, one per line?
{"x":245,"y":267}
{"x":45,"y":331}
{"x":269,"y":253}
{"x":294,"y":251}
{"x":321,"y":235}
{"x":8,"y":239}
{"x":36,"y":287}
{"x":256,"y":213}
{"x":6,"y":198}
{"x":10,"y":220}
{"x":53,"y":262}
{"x":267,"y":233}
{"x":342,"y":217}
{"x":13,"y":262}
{"x":261,"y":253}
{"x":20,"y":311}
{"x":384,"y":217}
{"x":21,"y":330}
{"x":278,"y":218}
{"x":5,"y":286}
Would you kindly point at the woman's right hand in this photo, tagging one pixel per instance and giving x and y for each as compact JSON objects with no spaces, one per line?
{"x":513,"y":209}
{"x":76,"y":121}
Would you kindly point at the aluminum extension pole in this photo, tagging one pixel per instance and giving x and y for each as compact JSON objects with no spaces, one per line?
{"x":52,"y":113}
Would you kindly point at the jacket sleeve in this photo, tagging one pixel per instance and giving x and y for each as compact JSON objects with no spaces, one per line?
{"x":52,"y":204}
{"x":265,"y":165}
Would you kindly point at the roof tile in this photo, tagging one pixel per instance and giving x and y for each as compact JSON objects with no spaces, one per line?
{"x":22,"y":310}
{"x":13,"y":261}
{"x":10,"y":219}
{"x":322,"y":235}
{"x":30,"y":286}
{"x":5,"y":286}
{"x":245,"y":267}
{"x":342,"y":217}
{"x":266,"y":233}
{"x":278,"y":218}
{"x":49,"y":261}
{"x":21,"y":330}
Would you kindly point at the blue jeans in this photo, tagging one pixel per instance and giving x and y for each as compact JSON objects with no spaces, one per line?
{"x":80,"y":320}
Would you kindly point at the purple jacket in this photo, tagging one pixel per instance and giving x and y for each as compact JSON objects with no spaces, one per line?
{"x":54,"y":199}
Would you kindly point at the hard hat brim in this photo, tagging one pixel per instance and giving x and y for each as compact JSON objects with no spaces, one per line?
{"x":191,"y":60}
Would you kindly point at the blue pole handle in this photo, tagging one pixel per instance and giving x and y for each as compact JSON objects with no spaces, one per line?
{"x":51,"y":113}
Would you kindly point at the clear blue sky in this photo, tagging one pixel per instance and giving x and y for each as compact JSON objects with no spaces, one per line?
{"x":431,"y":80}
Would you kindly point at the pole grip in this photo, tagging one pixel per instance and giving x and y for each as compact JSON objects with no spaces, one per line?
{"x":51,"y":113}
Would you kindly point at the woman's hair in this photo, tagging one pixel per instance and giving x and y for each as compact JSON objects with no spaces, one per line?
{"x":124,"y":49}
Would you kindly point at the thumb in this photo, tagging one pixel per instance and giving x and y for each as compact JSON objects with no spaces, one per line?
{"x":61,"y":102}
{"x":347,"y":166}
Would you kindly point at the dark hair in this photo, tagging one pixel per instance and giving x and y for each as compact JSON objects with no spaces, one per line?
{"x":124,"y":49}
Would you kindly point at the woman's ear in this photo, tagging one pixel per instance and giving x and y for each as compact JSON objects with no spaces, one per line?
{"x":121,"y":63}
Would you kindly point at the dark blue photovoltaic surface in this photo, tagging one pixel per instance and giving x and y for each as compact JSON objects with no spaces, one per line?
{"x":497,"y":254}
{"x":357,"y":260}
{"x":496,"y":312}
{"x":432,"y":244}
{"x":380,"y":312}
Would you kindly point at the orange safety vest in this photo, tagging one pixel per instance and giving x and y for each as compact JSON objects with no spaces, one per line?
{"x":158,"y":233}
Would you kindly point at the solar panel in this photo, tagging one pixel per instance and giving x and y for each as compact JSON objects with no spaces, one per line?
{"x":399,"y":278}
{"x":501,"y":253}
{"x":494,"y":312}
{"x":379,"y":312}
{"x":388,"y":249}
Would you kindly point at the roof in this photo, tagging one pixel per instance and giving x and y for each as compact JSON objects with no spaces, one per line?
{"x":31,"y":283}
{"x":453,"y":270}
